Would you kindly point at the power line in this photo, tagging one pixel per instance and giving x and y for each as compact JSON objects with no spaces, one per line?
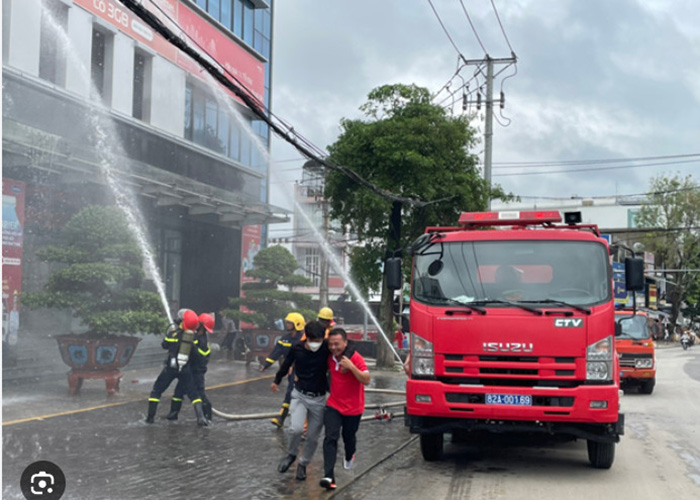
{"x":547,"y":172}
{"x":473,"y":28}
{"x":445,"y":29}
{"x":557,"y":163}
{"x":600,"y":197}
{"x":502,"y":29}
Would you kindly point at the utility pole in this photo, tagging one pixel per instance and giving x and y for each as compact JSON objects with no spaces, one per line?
{"x":323,"y":285}
{"x":488,"y":128}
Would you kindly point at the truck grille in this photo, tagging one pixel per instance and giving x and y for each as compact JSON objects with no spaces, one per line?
{"x":509,"y":370}
{"x":628,"y":360}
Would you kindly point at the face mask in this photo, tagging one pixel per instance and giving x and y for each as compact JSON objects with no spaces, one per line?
{"x":314,"y":346}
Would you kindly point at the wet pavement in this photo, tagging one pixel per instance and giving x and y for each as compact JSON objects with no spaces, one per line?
{"x":107,"y":451}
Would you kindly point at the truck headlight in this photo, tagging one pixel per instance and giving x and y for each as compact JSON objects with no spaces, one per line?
{"x":644,"y":363}
{"x":599,"y":357}
{"x":422,"y":356}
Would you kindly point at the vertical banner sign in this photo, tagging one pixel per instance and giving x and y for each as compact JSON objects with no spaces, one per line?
{"x":251,"y":237}
{"x":12,"y":244}
{"x":619,"y":283}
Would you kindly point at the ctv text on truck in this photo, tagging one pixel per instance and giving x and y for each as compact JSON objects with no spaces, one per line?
{"x":512,"y":330}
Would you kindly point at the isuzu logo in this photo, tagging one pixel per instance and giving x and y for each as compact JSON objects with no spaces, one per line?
{"x":507,"y":347}
{"x":568,"y":323}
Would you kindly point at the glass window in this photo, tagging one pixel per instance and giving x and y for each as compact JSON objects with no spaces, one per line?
{"x":202,"y":4}
{"x":226,"y":14}
{"x":188,"y":112}
{"x":142,"y":86}
{"x":198,"y":133}
{"x":266,"y":23}
{"x":211,"y":120}
{"x":533,"y":272}
{"x":248,"y":22}
{"x":223,"y":132}
{"x":235,"y":151}
{"x":238,"y":18}
{"x":100,"y":67}
{"x":245,"y":150}
{"x":213,"y":8}
{"x":52,"y":57}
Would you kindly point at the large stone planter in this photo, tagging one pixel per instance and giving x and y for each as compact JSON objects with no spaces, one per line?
{"x":96,"y":357}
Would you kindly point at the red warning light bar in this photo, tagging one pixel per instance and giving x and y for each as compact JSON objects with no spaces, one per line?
{"x":511,"y":218}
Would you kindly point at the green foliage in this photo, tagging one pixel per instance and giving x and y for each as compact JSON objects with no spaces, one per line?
{"x":264,"y":301}
{"x":410,"y":147}
{"x":673,"y":211}
{"x":97,"y":274}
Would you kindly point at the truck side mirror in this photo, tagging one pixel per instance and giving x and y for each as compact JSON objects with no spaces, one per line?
{"x":634,"y":274}
{"x":618,"y":329}
{"x":392,"y":270}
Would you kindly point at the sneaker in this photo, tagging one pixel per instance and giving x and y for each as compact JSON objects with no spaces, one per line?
{"x":327,"y":483}
{"x":349,"y":464}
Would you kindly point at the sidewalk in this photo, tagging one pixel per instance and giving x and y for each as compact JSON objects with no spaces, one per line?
{"x":106,"y":450}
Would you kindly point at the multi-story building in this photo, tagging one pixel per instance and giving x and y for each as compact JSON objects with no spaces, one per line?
{"x":87,"y":82}
{"x":312,"y":227}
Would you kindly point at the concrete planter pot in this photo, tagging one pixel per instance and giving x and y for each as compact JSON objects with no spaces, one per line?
{"x":96,"y":357}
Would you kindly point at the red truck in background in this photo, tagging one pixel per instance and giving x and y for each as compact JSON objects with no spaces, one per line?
{"x":635,"y":349}
{"x":512,"y":330}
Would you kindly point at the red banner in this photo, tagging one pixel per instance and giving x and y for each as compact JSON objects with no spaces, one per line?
{"x":12,"y":245}
{"x":250,"y":245}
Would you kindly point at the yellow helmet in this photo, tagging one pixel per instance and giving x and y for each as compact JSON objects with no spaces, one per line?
{"x":326,"y":313}
{"x":297,"y":319}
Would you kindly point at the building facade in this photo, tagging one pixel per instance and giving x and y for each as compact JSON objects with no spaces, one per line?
{"x":92,"y":93}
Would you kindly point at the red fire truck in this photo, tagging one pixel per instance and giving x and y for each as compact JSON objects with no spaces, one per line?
{"x":512,"y":330}
{"x":636,"y":351}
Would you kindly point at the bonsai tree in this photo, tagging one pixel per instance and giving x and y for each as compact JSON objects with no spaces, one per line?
{"x":98,"y":275}
{"x":265,"y":301}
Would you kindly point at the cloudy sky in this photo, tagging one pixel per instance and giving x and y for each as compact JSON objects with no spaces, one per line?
{"x":596,"y":80}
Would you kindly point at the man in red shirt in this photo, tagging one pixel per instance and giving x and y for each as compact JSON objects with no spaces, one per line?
{"x":344,"y":407}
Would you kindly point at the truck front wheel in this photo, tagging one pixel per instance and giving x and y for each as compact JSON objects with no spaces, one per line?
{"x":601,"y":455}
{"x":647,"y":386}
{"x":431,"y":446}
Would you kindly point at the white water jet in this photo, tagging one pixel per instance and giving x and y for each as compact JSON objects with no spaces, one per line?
{"x":105,"y":150}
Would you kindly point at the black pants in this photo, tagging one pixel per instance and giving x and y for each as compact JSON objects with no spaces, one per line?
{"x":198,"y":384}
{"x":333,"y":422}
{"x":166,"y":377}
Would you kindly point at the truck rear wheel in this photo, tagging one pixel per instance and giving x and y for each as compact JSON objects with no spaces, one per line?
{"x":601,"y":455}
{"x":431,"y":446}
{"x":647,"y":387}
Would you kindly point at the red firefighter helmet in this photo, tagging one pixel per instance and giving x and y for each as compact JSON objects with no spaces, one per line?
{"x":189,"y":320}
{"x":207,"y":321}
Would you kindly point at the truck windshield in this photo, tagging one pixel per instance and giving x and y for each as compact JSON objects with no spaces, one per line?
{"x":572,"y":272}
{"x":633,"y":327}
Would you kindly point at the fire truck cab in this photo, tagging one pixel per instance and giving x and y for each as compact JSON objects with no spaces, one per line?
{"x":512,"y":330}
{"x":635,"y":349}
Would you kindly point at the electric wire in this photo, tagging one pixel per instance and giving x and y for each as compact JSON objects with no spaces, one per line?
{"x":445,"y":29}
{"x":618,"y":167}
{"x":502,"y":29}
{"x":473,"y":28}
{"x":599,"y":161}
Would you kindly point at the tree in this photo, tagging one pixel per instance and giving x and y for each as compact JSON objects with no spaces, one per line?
{"x":264,"y":302}
{"x":413,"y":148}
{"x":98,"y":275}
{"x":673,"y":211}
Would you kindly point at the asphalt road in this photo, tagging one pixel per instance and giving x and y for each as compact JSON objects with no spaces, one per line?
{"x":657,"y":458}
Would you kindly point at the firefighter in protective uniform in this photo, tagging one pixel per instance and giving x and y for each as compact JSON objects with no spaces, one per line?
{"x":179,"y":343}
{"x":294,"y":324}
{"x":199,"y":358}
{"x":325,"y":317}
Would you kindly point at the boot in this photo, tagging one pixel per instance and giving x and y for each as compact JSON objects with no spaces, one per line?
{"x":175,"y":406}
{"x":199,"y":411}
{"x":206,"y":406}
{"x":279,"y":421}
{"x":152,"y":407}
